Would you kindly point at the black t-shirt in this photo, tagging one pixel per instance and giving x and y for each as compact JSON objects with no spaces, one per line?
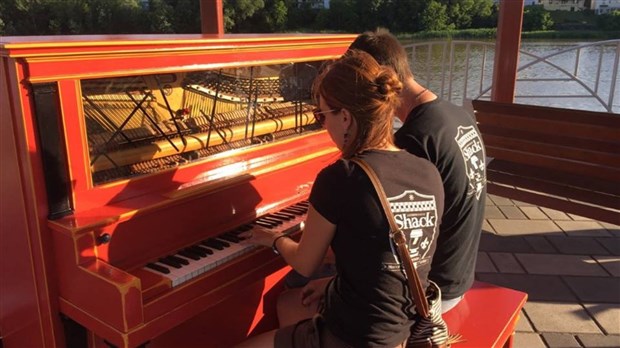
{"x":367,"y":304}
{"x":447,"y":135}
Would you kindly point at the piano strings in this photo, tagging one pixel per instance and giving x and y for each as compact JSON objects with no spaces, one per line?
{"x":140,"y":125}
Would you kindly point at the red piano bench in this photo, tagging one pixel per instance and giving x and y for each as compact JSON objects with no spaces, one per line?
{"x":486,"y":317}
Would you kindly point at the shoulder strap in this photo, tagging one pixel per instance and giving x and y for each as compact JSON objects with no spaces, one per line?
{"x":415,"y":285}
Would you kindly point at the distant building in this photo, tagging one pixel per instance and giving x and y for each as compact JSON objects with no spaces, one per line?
{"x":605,"y":6}
{"x":317,"y":4}
{"x":565,"y":5}
{"x":525,"y":2}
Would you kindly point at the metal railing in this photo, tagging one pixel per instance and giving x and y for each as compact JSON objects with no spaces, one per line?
{"x":583,"y":76}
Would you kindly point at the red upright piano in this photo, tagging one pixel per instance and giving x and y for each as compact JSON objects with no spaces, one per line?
{"x":130,"y":164}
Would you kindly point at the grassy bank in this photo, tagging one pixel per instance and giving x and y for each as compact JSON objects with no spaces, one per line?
{"x":489,"y":33}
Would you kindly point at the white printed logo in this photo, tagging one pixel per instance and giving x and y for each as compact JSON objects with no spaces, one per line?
{"x":472,"y":150}
{"x":416,"y":216}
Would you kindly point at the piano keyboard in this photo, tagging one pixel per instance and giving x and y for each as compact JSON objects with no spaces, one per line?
{"x":210,"y":253}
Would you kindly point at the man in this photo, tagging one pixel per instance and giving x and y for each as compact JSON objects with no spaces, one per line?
{"x":446,"y":135}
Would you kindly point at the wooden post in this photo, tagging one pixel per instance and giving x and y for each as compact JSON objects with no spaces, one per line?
{"x":507,"y":46}
{"x":212,"y":17}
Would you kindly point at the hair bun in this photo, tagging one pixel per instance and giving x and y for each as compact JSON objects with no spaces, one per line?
{"x":388,"y":83}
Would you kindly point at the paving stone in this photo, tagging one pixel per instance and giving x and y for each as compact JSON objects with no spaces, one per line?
{"x":555,"y":214}
{"x":492,"y":242}
{"x":595,"y":289}
{"x":611,"y":228}
{"x":595,"y":341}
{"x":497,"y":200}
{"x":506,"y":263}
{"x":540,"y":244}
{"x":560,"y":317}
{"x":523,"y":324}
{"x":484,"y":263}
{"x":606,"y":315}
{"x":577,"y":245}
{"x":528,"y":340}
{"x":522,"y":204}
{"x":558,"y":340}
{"x":612,"y":244}
{"x":609,"y":263}
{"x":493,"y":212}
{"x":578,"y":218}
{"x":553,"y":264}
{"x":512,"y":212}
{"x":488,"y":200}
{"x":523,"y":227}
{"x":486,"y":227}
{"x":583,"y":228}
{"x":533,"y":213}
{"x":537,"y":287}
{"x":573,"y":273}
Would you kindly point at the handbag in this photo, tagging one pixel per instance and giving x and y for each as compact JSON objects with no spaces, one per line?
{"x":429,"y":328}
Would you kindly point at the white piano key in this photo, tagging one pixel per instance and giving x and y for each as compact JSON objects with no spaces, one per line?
{"x":196,"y":268}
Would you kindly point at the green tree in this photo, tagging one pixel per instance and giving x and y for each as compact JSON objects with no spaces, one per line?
{"x":435,"y":17}
{"x":484,"y":14}
{"x":610,"y":21}
{"x":368,"y":12}
{"x":186,"y":16}
{"x":402,"y":16}
{"x":115,"y":17}
{"x":302,"y":16}
{"x":462,"y":13}
{"x":271,"y":18}
{"x":160,"y":17}
{"x":343,"y":16}
{"x":535,"y":17}
{"x":236,"y":12}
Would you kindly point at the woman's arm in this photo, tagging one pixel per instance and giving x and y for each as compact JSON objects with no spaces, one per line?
{"x":306,"y":255}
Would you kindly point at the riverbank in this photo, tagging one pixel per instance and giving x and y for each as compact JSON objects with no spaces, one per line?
{"x":490,"y":33}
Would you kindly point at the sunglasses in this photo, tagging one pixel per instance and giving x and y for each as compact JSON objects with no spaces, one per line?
{"x":319,"y":115}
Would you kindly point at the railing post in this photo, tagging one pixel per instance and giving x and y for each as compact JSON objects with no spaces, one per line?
{"x":212,"y":17}
{"x":507,"y":46}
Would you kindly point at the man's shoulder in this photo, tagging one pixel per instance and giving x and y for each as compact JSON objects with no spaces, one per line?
{"x":442,"y":111}
{"x":430,"y":119}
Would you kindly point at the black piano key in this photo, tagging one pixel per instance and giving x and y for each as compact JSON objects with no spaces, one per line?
{"x":229,"y":237}
{"x":189,"y":254}
{"x":284,"y":216}
{"x":200,"y":250}
{"x":158,"y":268}
{"x":170,"y":262}
{"x":295,"y":210}
{"x":245,"y":228}
{"x":272,"y":219}
{"x":214,"y":243}
{"x":179,"y":259}
{"x":265,"y":224}
{"x":302,"y":207}
{"x":224,"y":243}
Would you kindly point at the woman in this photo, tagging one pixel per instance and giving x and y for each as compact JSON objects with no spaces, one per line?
{"x":367,"y":303}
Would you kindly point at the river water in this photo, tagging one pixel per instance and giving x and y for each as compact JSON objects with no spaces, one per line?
{"x":578,"y":79}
